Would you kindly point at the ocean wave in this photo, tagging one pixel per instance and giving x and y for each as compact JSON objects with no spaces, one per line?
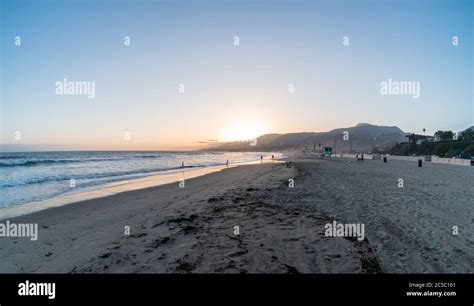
{"x":25,"y":163}
{"x":58,"y":178}
{"x":12,"y":156}
{"x":38,"y":162}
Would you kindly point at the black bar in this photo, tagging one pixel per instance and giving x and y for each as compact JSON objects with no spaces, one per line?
{"x":156,"y":289}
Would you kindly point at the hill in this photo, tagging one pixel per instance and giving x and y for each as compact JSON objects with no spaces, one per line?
{"x":362,"y":137}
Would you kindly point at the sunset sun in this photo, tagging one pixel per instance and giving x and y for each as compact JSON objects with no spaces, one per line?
{"x":241,"y":131}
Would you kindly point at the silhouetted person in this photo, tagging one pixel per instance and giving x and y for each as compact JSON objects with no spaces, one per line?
{"x":227,"y":163}
{"x":261,"y":158}
{"x":182,"y":165}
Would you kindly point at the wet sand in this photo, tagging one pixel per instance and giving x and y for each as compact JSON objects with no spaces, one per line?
{"x":281,"y":229}
{"x":114,"y":188}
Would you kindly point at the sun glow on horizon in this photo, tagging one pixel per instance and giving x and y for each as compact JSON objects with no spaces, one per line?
{"x":241,"y":131}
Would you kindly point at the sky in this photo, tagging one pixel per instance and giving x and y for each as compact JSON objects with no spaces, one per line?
{"x":231,"y":91}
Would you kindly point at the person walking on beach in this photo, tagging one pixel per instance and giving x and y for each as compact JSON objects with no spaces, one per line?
{"x":227,"y":163}
{"x":273,"y":157}
{"x":362,"y":156}
{"x":261,"y":159}
{"x":182,"y":164}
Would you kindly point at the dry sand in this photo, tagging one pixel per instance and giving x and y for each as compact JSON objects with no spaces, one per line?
{"x":191,"y":229}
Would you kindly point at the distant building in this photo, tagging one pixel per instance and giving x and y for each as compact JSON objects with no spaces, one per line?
{"x":457,"y":135}
{"x":427,"y":139}
{"x":328,"y":151}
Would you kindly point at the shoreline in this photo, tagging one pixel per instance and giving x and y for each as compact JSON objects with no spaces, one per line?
{"x":113,"y":188}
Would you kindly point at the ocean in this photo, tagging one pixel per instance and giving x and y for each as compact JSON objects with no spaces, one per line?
{"x":34,"y":176}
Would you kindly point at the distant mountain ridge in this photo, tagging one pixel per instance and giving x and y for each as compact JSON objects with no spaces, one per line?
{"x":362,"y":137}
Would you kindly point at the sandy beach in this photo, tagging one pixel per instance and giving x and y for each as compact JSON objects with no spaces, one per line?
{"x":280,"y":229}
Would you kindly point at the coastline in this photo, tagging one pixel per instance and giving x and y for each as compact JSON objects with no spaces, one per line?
{"x":112,"y":189}
{"x":281,"y":229}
